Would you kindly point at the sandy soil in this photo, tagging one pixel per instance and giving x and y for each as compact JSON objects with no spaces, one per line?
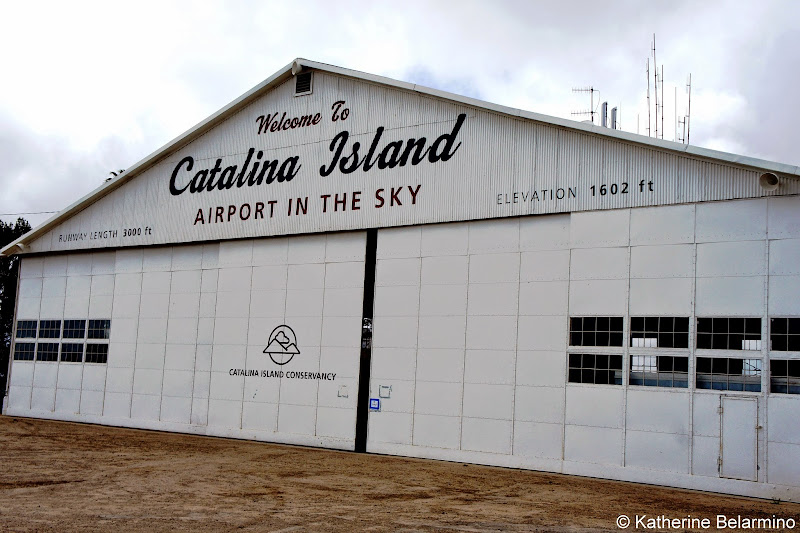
{"x":60,"y":476}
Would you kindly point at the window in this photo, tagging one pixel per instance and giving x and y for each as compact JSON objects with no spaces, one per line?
{"x":47,"y":351}
{"x":784,"y":334}
{"x":97,"y":353}
{"x":23,"y":351}
{"x":74,"y":333}
{"x":659,"y":371}
{"x":729,"y":333}
{"x":784,"y":376}
{"x":659,"y":332}
{"x":595,"y":331}
{"x":71,"y":352}
{"x":99,"y":329}
{"x":599,"y":369}
{"x":74,"y":329}
{"x":721,"y":373}
{"x":49,"y":329}
{"x":26,"y":329}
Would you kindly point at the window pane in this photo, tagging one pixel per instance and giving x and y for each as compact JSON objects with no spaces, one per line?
{"x":99,"y":329}
{"x":74,"y":329}
{"x":26,"y":329}
{"x":23,"y":351}
{"x":97,"y":353}
{"x":49,"y":329}
{"x":47,"y":351}
{"x":71,"y":352}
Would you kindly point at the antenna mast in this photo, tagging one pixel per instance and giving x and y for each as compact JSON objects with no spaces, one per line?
{"x":662,"y":101}
{"x":689,"y":114}
{"x":591,"y":90}
{"x":648,"y":97}
{"x":655,"y":80}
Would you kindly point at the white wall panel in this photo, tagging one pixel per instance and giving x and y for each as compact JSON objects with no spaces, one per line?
{"x":176,"y":409}
{"x":782,"y":217}
{"x":444,"y":239}
{"x":28,"y":307}
{"x":491,"y":332}
{"x":152,"y":330}
{"x":31,"y":287}
{"x":671,"y":296}
{"x":260,"y":416}
{"x":224,"y":413}
{"x":661,"y":411}
{"x":539,"y":404}
{"x":544,"y":298}
{"x":54,"y":287}
{"x":670,"y":261}
{"x":22,"y":374}
{"x":336,"y":423}
{"x":598,"y":297}
{"x":392,"y":301}
{"x":272,"y":251}
{"x":730,"y":296}
{"x":532,"y":439}
{"x":101,"y":306}
{"x":490,"y":366}
{"x":662,"y":225}
{"x":445,"y":270}
{"x":440,"y":364}
{"x":338,"y":275}
{"x":147,"y":381}
{"x":199,"y":411}
{"x":541,"y":368}
{"x":234,"y":279}
{"x":19,"y":397}
{"x":43,"y":399}
{"x":399,"y":242}
{"x":544,"y":265}
{"x":156,"y":282}
{"x":657,"y":451}
{"x":154,"y":305}
{"x":783,"y":291}
{"x":103,"y":262}
{"x":544,"y":232}
{"x":94,"y":377}
{"x":594,"y":406}
{"x":68,"y":401}
{"x":486,"y":435}
{"x":128,"y":260}
{"x":743,"y":258}
{"x":55,"y":265}
{"x":189,"y":258}
{"x":784,"y":463}
{"x":494,"y":268}
{"x":92,"y":402}
{"x":599,"y":263}
{"x":542,"y":333}
{"x":342,"y":332}
{"x":70,"y":376}
{"x":442,"y":332}
{"x":441,"y":300}
{"x":235,"y":253}
{"x":345,"y":247}
{"x":599,"y":228}
{"x":705,"y":408}
{"x":298,"y":419}
{"x":437,"y":431}
{"x":389,"y":427}
{"x":436,"y":398}
{"x":31,"y":267}
{"x":782,"y":416}
{"x":483,"y":400}
{"x":593,"y":445}
{"x":397,"y":363}
{"x":124,"y":306}
{"x":117,"y":404}
{"x":45,"y":374}
{"x":270,"y":277}
{"x":77,"y":285}
{"x":157,"y":259}
{"x":119,"y":380}
{"x":397,"y":272}
{"x":493,"y":299}
{"x":784,"y":257}
{"x":494,"y":236}
{"x":740,"y":220}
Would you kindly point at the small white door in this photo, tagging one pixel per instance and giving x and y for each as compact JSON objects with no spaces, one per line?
{"x":739,"y":441}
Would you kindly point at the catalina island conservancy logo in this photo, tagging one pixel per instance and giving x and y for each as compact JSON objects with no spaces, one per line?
{"x":282,"y":345}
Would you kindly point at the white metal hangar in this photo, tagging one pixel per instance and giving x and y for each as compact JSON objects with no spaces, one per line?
{"x":337,"y":259}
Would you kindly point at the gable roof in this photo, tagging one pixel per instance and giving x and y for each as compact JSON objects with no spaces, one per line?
{"x":300,"y":64}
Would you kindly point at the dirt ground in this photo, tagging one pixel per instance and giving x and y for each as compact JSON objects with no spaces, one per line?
{"x":57,"y":476}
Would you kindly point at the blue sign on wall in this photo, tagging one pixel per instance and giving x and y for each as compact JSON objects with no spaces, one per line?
{"x":374,"y":404}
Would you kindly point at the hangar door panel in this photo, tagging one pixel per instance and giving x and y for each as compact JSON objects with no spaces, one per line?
{"x":739,"y":439}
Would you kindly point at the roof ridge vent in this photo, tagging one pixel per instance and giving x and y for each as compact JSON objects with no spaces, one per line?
{"x":303,"y":83}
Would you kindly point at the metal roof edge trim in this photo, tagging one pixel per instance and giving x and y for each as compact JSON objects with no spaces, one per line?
{"x":285,"y":72}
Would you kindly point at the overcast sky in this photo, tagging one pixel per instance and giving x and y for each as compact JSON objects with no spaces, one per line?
{"x":90,"y":87}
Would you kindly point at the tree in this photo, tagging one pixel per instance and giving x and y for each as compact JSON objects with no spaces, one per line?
{"x":9,"y":267}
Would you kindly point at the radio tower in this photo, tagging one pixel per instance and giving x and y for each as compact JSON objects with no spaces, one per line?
{"x":591,"y":90}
